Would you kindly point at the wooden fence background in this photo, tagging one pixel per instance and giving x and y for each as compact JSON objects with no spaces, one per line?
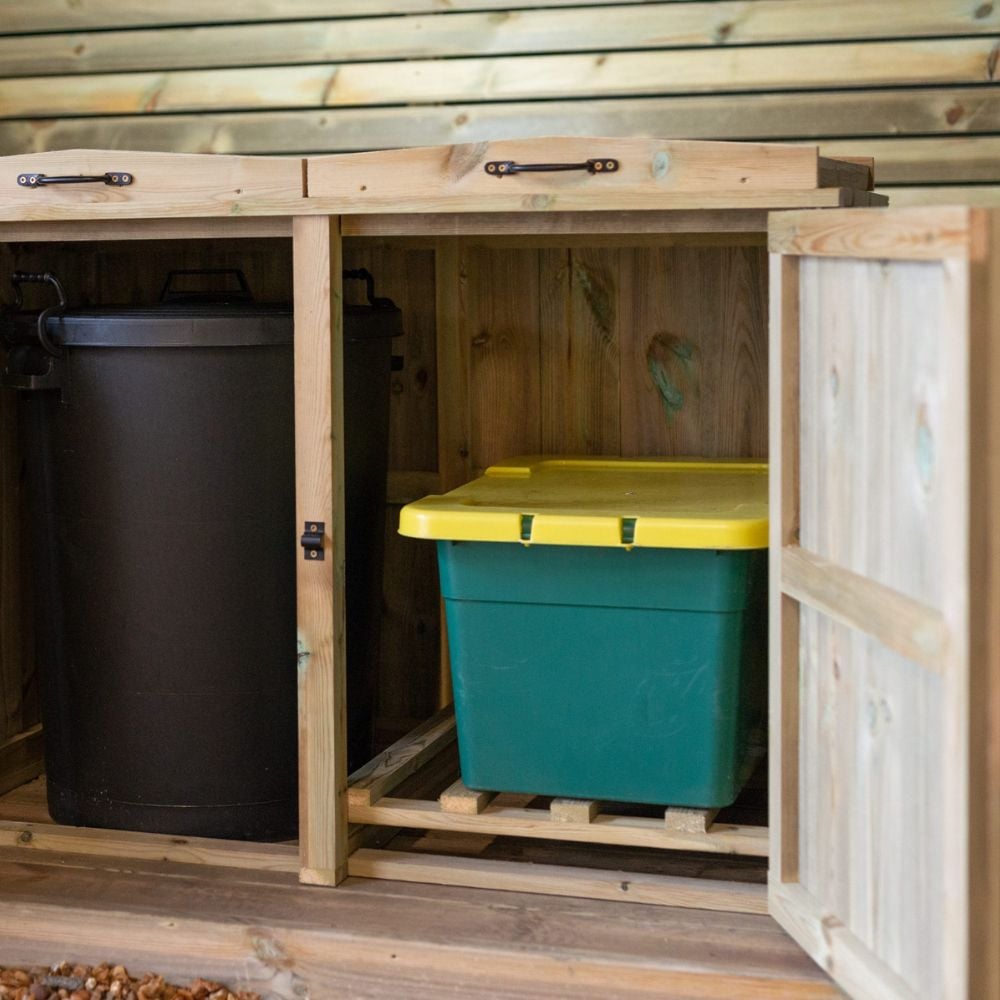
{"x":911,"y":82}
{"x":907,"y":81}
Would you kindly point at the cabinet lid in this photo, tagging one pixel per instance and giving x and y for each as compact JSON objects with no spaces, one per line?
{"x":537,"y":176}
{"x":611,"y":502}
{"x":34,"y":187}
{"x":556,"y":174}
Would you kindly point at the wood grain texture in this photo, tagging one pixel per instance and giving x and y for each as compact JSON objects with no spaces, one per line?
{"x":699,"y":215}
{"x":74,"y":231}
{"x":694,"y":352}
{"x":572,"y":364}
{"x":958,"y":159}
{"x":454,"y":178}
{"x":580,"y":354}
{"x":409,"y":634}
{"x":499,"y":78}
{"x":29,"y":838}
{"x":319,"y":496}
{"x":373,"y":938}
{"x":385,"y":772}
{"x":560,"y":880}
{"x":500,"y":820}
{"x":910,"y":234}
{"x":783,"y":613}
{"x":857,"y":970}
{"x":407,"y":277}
{"x":454,"y":421}
{"x":882,"y":744}
{"x":415,"y":36}
{"x":719,"y":867}
{"x":456,"y":798}
{"x":26,"y":803}
{"x":689,"y":820}
{"x":984,"y":640}
{"x":574,"y":810}
{"x":973,"y":195}
{"x":810,"y":114}
{"x":49,"y":15}
{"x":21,"y":758}
{"x":174,"y":186}
{"x":898,"y":622}
{"x":501,"y":325}
{"x":410,"y":628}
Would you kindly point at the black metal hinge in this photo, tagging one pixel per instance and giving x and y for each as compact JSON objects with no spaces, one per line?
{"x":312,"y":541}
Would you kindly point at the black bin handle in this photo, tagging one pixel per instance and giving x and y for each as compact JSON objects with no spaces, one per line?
{"x":169,"y":293}
{"x":363,"y":274}
{"x":19,"y":278}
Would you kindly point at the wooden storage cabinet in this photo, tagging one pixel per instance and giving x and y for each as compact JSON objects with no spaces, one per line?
{"x":626,"y":314}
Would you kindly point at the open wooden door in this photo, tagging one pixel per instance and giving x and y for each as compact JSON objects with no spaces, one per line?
{"x":885,"y":616}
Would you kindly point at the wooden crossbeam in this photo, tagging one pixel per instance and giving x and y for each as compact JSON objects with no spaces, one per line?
{"x":391,"y":767}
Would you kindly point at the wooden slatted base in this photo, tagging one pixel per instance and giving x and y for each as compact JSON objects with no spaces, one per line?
{"x":376,"y":797}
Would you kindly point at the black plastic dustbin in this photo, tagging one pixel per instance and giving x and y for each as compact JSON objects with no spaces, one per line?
{"x":159,"y":448}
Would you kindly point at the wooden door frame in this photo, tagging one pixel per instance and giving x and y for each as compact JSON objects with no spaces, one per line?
{"x":919,"y":633}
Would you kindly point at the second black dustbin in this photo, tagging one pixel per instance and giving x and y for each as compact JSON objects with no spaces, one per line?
{"x":159,"y":445}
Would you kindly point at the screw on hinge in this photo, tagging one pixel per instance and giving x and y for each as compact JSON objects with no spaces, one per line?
{"x":312,"y":541}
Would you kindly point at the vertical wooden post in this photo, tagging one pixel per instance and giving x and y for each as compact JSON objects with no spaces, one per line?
{"x":984,"y":610}
{"x":784,"y":612}
{"x":319,"y":498}
{"x":454,"y":432}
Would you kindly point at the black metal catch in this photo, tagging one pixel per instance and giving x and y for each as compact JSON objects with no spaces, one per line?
{"x":114,"y":179}
{"x":601,"y":165}
{"x":312,"y":541}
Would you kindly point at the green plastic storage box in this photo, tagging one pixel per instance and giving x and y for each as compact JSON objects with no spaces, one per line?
{"x":606,"y":625}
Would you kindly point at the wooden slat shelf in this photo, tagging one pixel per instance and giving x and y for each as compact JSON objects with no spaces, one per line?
{"x":27,"y":832}
{"x":462,"y":810}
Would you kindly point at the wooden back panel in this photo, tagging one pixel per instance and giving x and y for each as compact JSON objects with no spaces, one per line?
{"x":616,"y":351}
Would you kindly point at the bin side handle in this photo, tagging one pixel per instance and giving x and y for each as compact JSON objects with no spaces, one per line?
{"x":19,"y":278}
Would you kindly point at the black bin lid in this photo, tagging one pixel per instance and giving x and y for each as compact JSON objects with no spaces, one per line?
{"x":223,"y":324}
{"x":174,"y":325}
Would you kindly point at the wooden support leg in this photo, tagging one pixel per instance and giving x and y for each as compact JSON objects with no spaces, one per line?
{"x":456,"y":798}
{"x":684,"y":820}
{"x":319,"y":499}
{"x":574,"y":810}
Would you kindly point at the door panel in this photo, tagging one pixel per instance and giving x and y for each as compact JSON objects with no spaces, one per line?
{"x":870,"y":621}
{"x":882,"y":414}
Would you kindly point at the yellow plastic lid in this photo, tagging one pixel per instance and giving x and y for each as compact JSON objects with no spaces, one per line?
{"x":620,"y":502}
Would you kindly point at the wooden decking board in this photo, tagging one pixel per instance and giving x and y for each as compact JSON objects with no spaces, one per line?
{"x":372,"y":938}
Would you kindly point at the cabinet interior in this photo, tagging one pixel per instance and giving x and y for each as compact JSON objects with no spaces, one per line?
{"x":513,"y":345}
